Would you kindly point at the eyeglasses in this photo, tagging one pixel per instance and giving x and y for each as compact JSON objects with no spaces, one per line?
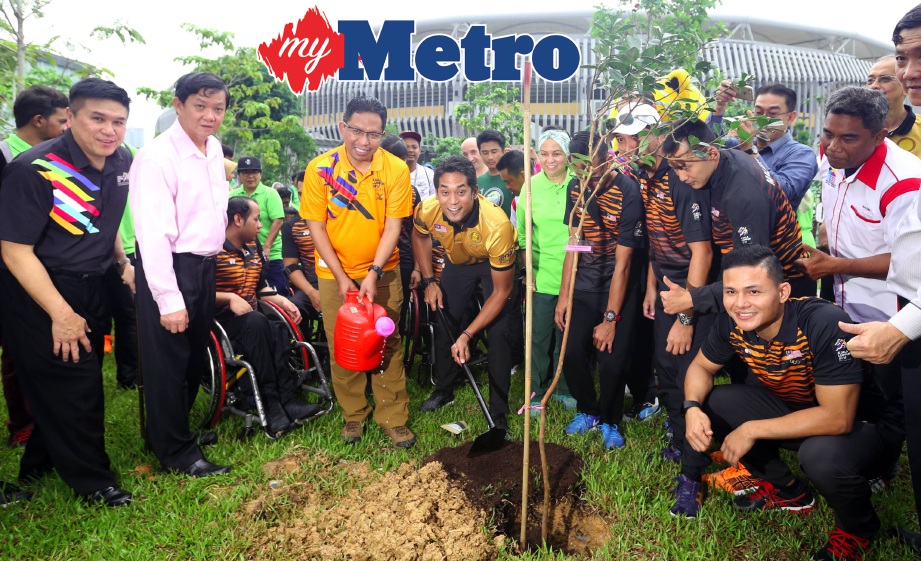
{"x":883,"y":80}
{"x":372,"y":136}
{"x":770,"y":114}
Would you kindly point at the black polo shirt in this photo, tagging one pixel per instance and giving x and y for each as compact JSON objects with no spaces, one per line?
{"x":676,"y":215}
{"x":810,"y":349}
{"x":614,"y":216}
{"x":747,"y":207}
{"x":54,"y":200}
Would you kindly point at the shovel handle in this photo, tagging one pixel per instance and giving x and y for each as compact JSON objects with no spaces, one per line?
{"x":476,"y":390}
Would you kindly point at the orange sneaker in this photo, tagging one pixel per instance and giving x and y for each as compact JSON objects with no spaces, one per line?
{"x":736,"y":480}
{"x":108,"y":343}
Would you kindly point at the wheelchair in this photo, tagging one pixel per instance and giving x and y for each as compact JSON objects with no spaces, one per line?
{"x":222,"y":393}
{"x":420,"y":335}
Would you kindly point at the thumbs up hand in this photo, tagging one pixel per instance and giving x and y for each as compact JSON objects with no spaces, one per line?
{"x":676,"y":298}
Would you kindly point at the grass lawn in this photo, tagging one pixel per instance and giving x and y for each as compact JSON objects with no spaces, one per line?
{"x":175,"y":517}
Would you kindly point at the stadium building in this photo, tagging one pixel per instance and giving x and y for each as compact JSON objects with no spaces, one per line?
{"x":812,"y":61}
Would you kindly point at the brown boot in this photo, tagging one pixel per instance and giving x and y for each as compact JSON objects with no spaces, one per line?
{"x":351,"y":432}
{"x":401,"y":437}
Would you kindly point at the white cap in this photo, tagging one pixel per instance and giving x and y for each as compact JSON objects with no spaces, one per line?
{"x":644,"y":115}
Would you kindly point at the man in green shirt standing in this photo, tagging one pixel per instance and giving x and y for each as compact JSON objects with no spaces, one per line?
{"x":271,"y":214}
{"x":492,"y":146}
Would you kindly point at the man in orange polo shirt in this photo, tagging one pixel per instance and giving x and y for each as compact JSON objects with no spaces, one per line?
{"x":355,"y":198}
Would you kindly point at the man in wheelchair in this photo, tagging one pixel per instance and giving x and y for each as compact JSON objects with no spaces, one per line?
{"x":241,"y":282}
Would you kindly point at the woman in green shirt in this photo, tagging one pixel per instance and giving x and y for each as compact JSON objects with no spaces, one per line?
{"x":549,"y":236}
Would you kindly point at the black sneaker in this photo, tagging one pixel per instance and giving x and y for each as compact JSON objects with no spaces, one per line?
{"x":436,"y":401}
{"x":10,"y":494}
{"x":796,"y":497}
{"x":276,"y":418}
{"x":300,"y":411}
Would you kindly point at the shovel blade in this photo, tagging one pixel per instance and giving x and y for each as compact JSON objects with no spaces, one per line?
{"x":489,"y":441}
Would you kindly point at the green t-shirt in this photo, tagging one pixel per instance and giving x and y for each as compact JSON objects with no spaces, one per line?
{"x":270,"y":209}
{"x":549,"y":233}
{"x":17,"y":145}
{"x":493,"y":188}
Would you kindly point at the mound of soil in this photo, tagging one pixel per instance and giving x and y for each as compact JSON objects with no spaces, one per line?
{"x":407,"y":515}
{"x":493,"y":483}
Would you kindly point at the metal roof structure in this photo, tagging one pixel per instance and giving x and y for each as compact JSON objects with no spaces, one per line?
{"x":811,"y":60}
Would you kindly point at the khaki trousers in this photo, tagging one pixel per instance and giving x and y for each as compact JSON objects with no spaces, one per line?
{"x":388,"y":386}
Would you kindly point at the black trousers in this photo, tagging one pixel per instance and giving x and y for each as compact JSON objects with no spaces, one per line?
{"x":309,"y":314}
{"x":672,"y":368}
{"x":838,"y":466}
{"x":172,"y":363}
{"x":458,"y":284}
{"x":121,"y":306}
{"x":587,"y":312}
{"x":910,"y":363}
{"x":261,"y":342}
{"x":66,"y":398}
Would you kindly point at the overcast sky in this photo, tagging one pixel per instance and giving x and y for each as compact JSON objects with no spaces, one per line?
{"x":253,"y":22}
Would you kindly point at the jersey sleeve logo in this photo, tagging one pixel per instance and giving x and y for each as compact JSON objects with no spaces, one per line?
{"x":743,"y":235}
{"x":844,"y":355}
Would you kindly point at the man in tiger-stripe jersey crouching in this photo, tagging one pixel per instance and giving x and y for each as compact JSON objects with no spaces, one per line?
{"x":805,"y":392}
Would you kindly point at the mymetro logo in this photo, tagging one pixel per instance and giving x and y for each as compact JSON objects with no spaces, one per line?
{"x":308,"y":53}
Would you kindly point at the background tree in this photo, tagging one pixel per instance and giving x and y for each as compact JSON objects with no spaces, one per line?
{"x":264,"y":117}
{"x":20,"y":60}
{"x":492,"y":105}
{"x":443,"y":147}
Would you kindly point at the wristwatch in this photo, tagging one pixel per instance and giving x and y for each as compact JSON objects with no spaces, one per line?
{"x":122,"y":262}
{"x":611,"y":315}
{"x":685,"y":319}
{"x":752,"y":151}
{"x":378,"y":270}
{"x":427,"y":281}
{"x":688,"y":405}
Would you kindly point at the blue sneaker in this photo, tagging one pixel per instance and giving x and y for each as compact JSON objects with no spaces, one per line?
{"x":671,"y":454}
{"x":611,"y":436}
{"x":649,"y":410}
{"x":582,"y":422}
{"x":568,"y":401}
{"x":669,"y":433}
{"x":689,"y":496}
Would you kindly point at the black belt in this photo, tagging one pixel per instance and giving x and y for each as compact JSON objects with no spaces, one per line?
{"x":195,"y":257}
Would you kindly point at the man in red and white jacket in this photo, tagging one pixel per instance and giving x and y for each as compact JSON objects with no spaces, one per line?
{"x":868,"y":184}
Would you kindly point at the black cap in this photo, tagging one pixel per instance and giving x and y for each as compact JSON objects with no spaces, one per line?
{"x":249,"y":162}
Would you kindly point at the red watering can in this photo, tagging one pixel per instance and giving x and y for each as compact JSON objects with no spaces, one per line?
{"x":361,"y":330}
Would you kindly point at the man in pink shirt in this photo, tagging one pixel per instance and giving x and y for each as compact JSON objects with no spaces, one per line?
{"x":180,"y":191}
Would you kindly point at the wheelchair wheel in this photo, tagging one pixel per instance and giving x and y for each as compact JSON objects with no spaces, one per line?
{"x":206,"y":411}
{"x":298,"y":358}
{"x":303,"y":361}
{"x":411,"y":337}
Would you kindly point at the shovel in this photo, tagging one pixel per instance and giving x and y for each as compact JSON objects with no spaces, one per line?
{"x":494,"y":438}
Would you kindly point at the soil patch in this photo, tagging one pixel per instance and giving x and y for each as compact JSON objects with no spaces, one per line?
{"x":493,"y":483}
{"x":411,"y":514}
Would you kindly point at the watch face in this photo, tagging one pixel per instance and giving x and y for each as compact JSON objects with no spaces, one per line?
{"x":609,"y":316}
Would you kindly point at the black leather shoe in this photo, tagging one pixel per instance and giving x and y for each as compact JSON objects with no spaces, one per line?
{"x":276,"y":418}
{"x":10,"y":494}
{"x":207,"y":438}
{"x":110,"y":496}
{"x":911,"y":539}
{"x":204,"y":468}
{"x":437,"y":401}
{"x":300,"y":411}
